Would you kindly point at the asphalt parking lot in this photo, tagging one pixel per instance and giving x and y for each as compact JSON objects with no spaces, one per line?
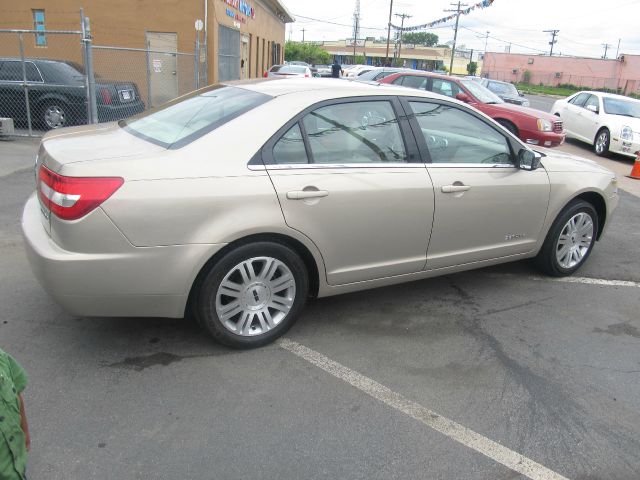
{"x":491,"y":374}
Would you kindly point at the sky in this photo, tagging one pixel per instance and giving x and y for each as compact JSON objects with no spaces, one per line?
{"x":584,"y":26}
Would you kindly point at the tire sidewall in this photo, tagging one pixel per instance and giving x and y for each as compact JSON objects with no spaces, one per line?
{"x":549,"y":248}
{"x":205,"y":303}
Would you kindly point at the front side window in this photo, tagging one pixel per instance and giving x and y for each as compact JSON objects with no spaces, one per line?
{"x":455,"y":136}
{"x":355,"y":132}
{"x":593,"y":101}
{"x":181,"y":121}
{"x":414,"y":81}
{"x":11,"y":71}
{"x":38,"y":24}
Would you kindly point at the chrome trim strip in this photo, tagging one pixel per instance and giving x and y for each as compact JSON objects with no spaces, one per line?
{"x":324,"y":166}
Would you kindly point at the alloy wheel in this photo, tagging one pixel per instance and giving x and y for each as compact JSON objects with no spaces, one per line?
{"x":255,"y":296}
{"x":601,"y":142}
{"x":575,"y":240}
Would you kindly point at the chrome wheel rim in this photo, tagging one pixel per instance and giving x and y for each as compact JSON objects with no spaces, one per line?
{"x":601,"y":142}
{"x":255,"y":296}
{"x":575,"y":240}
{"x":54,"y":117}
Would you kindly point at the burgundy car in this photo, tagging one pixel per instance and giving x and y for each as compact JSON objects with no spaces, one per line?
{"x":532,"y":126}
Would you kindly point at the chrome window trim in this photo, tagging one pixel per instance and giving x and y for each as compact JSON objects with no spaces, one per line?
{"x":328,"y":166}
{"x":471,"y":165}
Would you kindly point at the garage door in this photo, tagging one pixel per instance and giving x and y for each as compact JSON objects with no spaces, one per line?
{"x":228,"y":54}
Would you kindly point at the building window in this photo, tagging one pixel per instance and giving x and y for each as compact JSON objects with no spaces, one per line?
{"x":38,"y":24}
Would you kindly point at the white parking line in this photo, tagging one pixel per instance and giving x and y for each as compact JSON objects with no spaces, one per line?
{"x":593,"y":281}
{"x":461,"y":434}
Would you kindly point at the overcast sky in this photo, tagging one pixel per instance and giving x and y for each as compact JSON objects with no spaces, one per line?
{"x":584,"y":25}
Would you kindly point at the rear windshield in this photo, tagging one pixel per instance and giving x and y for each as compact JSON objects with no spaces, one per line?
{"x":292,"y":69}
{"x":187,"y":118}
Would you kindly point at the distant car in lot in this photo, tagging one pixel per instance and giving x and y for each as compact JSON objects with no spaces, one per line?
{"x":338,"y":187}
{"x":57,"y":94}
{"x":324,"y":71}
{"x":357,"y":70}
{"x":506,"y":91}
{"x":534,"y":127}
{"x":378,"y":73}
{"x":611,"y":123}
{"x":313,"y":68}
{"x":289,"y":71}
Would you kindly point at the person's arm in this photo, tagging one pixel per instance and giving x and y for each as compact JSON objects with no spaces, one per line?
{"x":24,"y":424}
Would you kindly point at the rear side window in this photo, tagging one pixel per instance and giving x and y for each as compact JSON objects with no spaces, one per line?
{"x":187,"y":118}
{"x":579,"y":99}
{"x":12,"y":71}
{"x":290,"y":148}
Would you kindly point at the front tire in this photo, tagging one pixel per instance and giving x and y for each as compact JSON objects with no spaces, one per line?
{"x":570,"y":240}
{"x":252,"y":295}
{"x":602,"y":142}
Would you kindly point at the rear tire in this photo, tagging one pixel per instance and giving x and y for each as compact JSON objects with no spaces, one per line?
{"x":570,"y":240}
{"x":252,"y":295}
{"x":54,"y":114}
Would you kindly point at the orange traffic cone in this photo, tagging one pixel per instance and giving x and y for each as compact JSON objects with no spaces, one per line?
{"x":635,"y":171}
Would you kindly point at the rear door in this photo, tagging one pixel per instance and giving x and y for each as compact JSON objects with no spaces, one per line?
{"x":348,"y":176}
{"x":485,"y":207}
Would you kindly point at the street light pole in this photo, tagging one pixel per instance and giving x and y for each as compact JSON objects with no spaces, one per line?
{"x":386,"y":61}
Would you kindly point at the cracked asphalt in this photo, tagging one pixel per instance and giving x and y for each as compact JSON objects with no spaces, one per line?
{"x":545,"y":368}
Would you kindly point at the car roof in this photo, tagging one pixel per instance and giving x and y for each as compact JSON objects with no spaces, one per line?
{"x":608,"y":95}
{"x":330,"y":86}
{"x":428,"y":74}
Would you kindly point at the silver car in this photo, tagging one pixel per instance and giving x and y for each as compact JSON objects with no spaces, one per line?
{"x":238,"y":202}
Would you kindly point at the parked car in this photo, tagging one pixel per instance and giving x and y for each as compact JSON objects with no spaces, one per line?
{"x":289,"y":71}
{"x":378,"y":73}
{"x":313,"y":69}
{"x":357,"y":70}
{"x":506,"y":91}
{"x":324,"y":71}
{"x":57,"y":94}
{"x":611,"y":123}
{"x":339,"y":187}
{"x":534,"y":127}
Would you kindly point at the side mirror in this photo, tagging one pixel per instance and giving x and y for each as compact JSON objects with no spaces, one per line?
{"x":592,"y":108}
{"x":528,"y":159}
{"x":520,"y":93}
{"x":463,"y":97}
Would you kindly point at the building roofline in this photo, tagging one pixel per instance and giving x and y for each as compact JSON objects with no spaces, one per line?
{"x":280,"y":10}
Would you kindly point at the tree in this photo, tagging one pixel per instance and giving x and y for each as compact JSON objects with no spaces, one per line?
{"x":359,"y":60}
{"x":306,"y":52}
{"x":420,"y":38}
{"x":472,"y":67}
{"x":443,"y":45}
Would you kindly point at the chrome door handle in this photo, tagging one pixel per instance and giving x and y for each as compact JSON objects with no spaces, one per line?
{"x":302,"y":194}
{"x":455,"y":188}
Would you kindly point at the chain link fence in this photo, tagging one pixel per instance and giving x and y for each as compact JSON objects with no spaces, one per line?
{"x":560,"y":79}
{"x":52,"y":79}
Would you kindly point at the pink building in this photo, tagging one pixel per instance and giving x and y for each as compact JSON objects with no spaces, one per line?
{"x":623,"y":73}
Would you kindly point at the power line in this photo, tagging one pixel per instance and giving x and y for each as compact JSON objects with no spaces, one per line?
{"x":606,"y":47}
{"x":338,"y":24}
{"x":402,"y":16}
{"x":503,"y":41}
{"x":455,"y":35}
{"x":554,"y":34}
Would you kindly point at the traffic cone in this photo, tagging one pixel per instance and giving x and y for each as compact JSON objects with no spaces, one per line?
{"x":635,"y":171}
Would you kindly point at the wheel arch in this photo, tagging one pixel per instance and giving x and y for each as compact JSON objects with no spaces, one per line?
{"x":297,"y":246}
{"x":599,"y":204}
{"x":502,"y":120}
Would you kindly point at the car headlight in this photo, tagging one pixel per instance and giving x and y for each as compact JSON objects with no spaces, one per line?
{"x":525,"y":103}
{"x":626,"y":133}
{"x":544,"y":125}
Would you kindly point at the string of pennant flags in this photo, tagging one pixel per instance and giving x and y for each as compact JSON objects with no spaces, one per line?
{"x":465,"y":11}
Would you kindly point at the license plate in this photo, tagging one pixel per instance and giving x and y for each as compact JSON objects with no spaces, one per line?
{"x":126,"y":95}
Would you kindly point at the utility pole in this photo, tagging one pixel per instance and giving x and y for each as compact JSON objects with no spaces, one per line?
{"x":486,"y":40}
{"x":455,"y":35}
{"x":553,"y":41}
{"x":356,"y":28}
{"x":386,"y":61}
{"x":402,"y":16}
{"x":618,"y":49}
{"x":303,"y":35}
{"x":606,"y":47}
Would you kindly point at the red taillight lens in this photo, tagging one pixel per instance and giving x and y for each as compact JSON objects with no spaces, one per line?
{"x":306,"y":75}
{"x":266,"y":74}
{"x":70,"y":198}
{"x":106,"y":96}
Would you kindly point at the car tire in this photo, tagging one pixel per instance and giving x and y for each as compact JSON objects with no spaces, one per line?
{"x":252,"y":295}
{"x":54,"y":114}
{"x":509,"y":126}
{"x":570,"y":240}
{"x":601,"y":142}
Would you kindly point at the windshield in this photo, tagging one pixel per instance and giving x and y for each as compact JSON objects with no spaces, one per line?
{"x":483,"y":94}
{"x":504,"y":88}
{"x":181,"y":121}
{"x":619,"y":106}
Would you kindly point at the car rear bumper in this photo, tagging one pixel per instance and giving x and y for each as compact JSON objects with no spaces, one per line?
{"x":543,"y":139}
{"x":624,"y":147}
{"x":136,"y":282}
{"x":109,"y":113}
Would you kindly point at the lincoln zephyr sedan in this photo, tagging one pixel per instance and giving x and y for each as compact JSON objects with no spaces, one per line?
{"x":239,"y":201}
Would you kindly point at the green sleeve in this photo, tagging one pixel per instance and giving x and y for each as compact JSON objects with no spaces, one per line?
{"x":18,"y":374}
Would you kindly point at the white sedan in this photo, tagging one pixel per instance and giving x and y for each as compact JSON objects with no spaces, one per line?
{"x":611,"y":123}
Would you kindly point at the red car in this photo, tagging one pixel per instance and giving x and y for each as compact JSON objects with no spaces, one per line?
{"x":532,"y":126}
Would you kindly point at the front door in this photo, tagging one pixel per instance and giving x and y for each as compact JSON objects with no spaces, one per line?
{"x":587,"y":121}
{"x":162,"y":68}
{"x":344,"y":179}
{"x":485,"y":207}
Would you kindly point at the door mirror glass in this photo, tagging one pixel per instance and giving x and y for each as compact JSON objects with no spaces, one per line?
{"x":463,"y":97}
{"x":528,"y":160}
{"x":592,"y":108}
{"x":520,"y":93}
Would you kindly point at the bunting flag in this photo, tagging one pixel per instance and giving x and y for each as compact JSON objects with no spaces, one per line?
{"x":464,"y":11}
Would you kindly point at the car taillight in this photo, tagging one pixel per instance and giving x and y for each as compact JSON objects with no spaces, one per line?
{"x":106,"y":96}
{"x":70,"y":198}
{"x":306,"y":75}
{"x":266,"y":74}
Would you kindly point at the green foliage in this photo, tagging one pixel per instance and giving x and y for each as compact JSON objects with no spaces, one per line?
{"x":443,"y":45}
{"x":306,"y":52}
{"x":420,"y":38}
{"x":359,"y":60}
{"x":526,"y":77}
{"x":472,"y":67}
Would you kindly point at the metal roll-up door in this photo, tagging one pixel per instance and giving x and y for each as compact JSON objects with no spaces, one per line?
{"x":228,"y":54}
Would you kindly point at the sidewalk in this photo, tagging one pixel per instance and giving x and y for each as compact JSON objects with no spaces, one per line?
{"x":17,"y":154}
